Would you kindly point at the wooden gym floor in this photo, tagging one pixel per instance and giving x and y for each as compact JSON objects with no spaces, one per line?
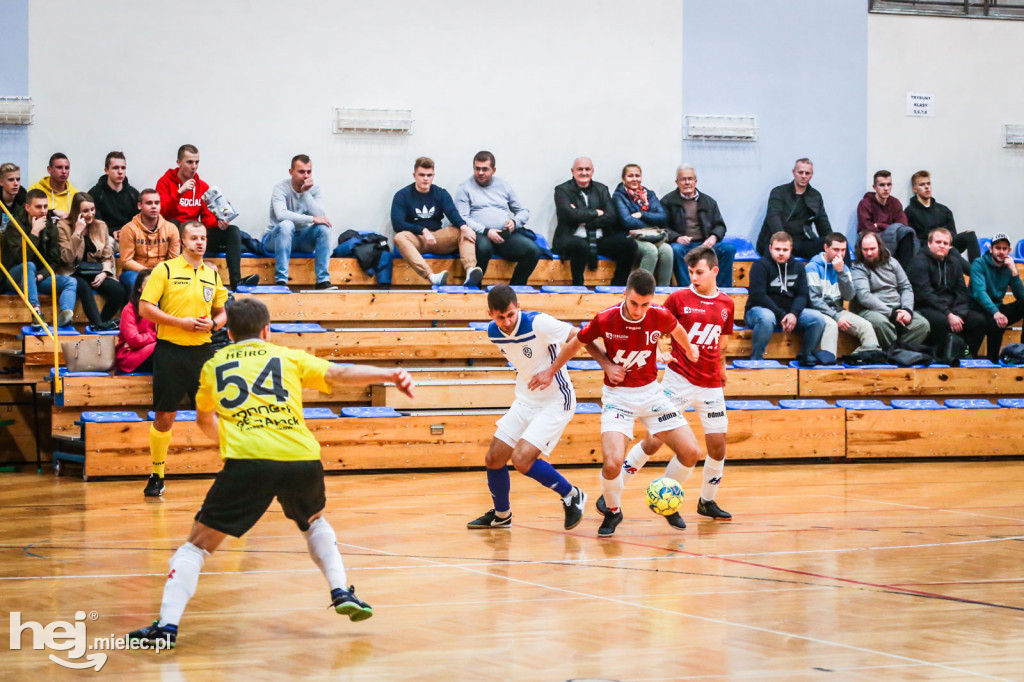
{"x":829,"y":571}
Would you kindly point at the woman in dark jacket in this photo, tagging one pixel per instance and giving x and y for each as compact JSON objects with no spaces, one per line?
{"x":642,"y":215}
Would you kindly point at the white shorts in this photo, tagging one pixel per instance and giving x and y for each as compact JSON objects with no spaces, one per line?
{"x":623,"y":406}
{"x":708,"y":402}
{"x":539,"y":425}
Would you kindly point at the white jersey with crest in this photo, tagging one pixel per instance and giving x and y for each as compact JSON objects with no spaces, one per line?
{"x":531,"y":348}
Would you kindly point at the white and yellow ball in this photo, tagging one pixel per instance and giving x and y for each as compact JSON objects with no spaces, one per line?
{"x":664,"y":496}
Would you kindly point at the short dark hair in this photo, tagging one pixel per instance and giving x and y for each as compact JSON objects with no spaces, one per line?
{"x":34,"y":194}
{"x":501,"y":297}
{"x":781,"y":236}
{"x":883,"y":252}
{"x":148,"y":190}
{"x":190,"y":148}
{"x":56,"y":157}
{"x":641,"y":283}
{"x":113,"y":155}
{"x":484,"y":156}
{"x":247,"y":317}
{"x":833,"y":237}
{"x":880,"y":174}
{"x":301,"y":158}
{"x":187,"y":224}
{"x":427,"y":162}
{"x":702,"y":253}
{"x":919,"y":175}
{"x":140,"y":281}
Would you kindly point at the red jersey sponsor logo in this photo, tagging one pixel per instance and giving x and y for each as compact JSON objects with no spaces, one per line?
{"x":631,"y":343}
{"x":699,"y":316}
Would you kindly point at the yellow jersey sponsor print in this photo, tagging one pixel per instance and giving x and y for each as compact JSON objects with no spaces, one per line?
{"x":256,"y":390}
{"x":180,"y":290}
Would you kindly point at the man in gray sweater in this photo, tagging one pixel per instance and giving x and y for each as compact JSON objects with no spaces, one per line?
{"x":883,"y":295}
{"x":490,"y":206}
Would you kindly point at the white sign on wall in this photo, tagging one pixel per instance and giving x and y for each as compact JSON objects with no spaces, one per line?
{"x":919,"y":104}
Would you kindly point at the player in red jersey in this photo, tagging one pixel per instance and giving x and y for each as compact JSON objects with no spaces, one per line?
{"x":631,"y":390}
{"x":707,"y":316}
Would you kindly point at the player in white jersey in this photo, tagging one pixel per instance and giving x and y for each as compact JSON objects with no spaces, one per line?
{"x":535,"y":421}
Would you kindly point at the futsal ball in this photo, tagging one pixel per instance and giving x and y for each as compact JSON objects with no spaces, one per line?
{"x":664,"y":496}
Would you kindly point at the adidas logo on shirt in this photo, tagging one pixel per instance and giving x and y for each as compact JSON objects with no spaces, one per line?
{"x":425,"y":213}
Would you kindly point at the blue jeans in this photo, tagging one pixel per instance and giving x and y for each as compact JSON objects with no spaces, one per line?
{"x":32,"y":290}
{"x":762,"y":323}
{"x":67,"y":292}
{"x":726,"y":255}
{"x":283,"y":238}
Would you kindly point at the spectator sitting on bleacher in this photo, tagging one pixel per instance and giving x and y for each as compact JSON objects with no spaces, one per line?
{"x":416,"y":214}
{"x":588,"y":226}
{"x":117,"y":201}
{"x":55,"y":185}
{"x":147,"y":240}
{"x":491,"y":207}
{"x":883,"y":295}
{"x":12,"y":194}
{"x":991,"y":276}
{"x":694,"y":220}
{"x":777,"y":300}
{"x":643,"y":217}
{"x":829,"y":284}
{"x":87,"y":256}
{"x":137,"y":340}
{"x":924,"y":214}
{"x":298,"y":222}
{"x":181,"y":200}
{"x":40,"y":226}
{"x":882,"y":213}
{"x":940,"y":293}
{"x":797,"y":209}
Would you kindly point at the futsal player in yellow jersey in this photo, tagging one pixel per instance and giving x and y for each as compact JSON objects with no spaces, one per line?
{"x":250,"y":402}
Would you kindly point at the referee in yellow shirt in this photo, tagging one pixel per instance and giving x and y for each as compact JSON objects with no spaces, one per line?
{"x":250,"y":402}
{"x":185,"y":298}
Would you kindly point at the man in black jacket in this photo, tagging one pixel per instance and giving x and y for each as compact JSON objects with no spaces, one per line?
{"x":117,"y":202}
{"x":588,"y":226}
{"x":924,"y":214}
{"x":777,"y":301}
{"x":694,"y":220}
{"x":940,"y":293}
{"x":797,"y":209}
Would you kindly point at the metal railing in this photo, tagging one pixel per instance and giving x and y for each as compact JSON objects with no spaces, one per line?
{"x":980,"y":9}
{"x":22,"y":291}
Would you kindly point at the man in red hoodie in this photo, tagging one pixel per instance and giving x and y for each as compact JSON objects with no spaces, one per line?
{"x":181,"y":200}
{"x":882,"y":213}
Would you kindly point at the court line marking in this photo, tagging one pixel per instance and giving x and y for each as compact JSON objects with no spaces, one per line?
{"x":931,"y":509}
{"x":706,"y":619}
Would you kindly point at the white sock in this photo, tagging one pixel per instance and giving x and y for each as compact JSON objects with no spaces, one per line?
{"x":613,"y":491}
{"x":437,"y":276}
{"x":181,"y":583}
{"x":635,"y":461}
{"x":323,"y":548}
{"x":568,"y":498}
{"x":712,"y":477}
{"x":677,"y":471}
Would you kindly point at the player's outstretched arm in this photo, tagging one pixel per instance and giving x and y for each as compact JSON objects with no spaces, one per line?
{"x":207,"y":422}
{"x":364,"y":375}
{"x":691,"y":351}
{"x":543,"y":379}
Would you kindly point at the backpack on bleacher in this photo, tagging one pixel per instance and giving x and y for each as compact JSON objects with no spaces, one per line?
{"x":371,"y":251}
{"x":903,"y":354}
{"x":1012,"y":355}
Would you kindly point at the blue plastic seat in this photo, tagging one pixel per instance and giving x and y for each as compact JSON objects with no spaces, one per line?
{"x":182,"y":416}
{"x":758,"y":364}
{"x":318,"y":413}
{"x":583,"y":364}
{"x":453,"y":289}
{"x":519,"y":288}
{"x":565,"y":289}
{"x":479,"y":326}
{"x":666,"y":290}
{"x":863,"y":405}
{"x":795,"y":364}
{"x":65,"y":373}
{"x":588,"y":408}
{"x":1018,"y":252}
{"x":29,"y":330}
{"x":106,"y":332}
{"x":369,"y":412}
{"x":870,"y":366}
{"x":984,"y":243}
{"x":806,"y":404}
{"x":109,"y":416}
{"x":734,"y":291}
{"x":740,"y":405}
{"x":971,"y":404}
{"x":744,"y":249}
{"x":983,"y":363}
{"x":607,"y":289}
{"x":136,"y":374}
{"x":296,"y":327}
{"x":1016,"y":403}
{"x":264,"y":289}
{"x":916,"y":404}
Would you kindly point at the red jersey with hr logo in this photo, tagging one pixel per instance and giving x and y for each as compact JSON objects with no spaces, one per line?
{"x":705,"y":319}
{"x":632,"y":344}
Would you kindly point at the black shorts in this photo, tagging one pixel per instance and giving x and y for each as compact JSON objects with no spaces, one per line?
{"x":176,"y":371}
{"x":245,"y":488}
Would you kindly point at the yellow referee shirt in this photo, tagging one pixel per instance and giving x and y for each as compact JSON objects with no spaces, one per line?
{"x":180,"y":290}
{"x":256,"y":389}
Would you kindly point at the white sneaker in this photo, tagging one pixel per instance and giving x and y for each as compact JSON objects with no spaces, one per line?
{"x":474,"y":276}
{"x":439,"y":279}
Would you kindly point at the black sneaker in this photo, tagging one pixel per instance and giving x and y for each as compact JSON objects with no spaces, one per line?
{"x":280,"y":283}
{"x":348,"y":604}
{"x":154,"y":633}
{"x":154,"y":486}
{"x":574,"y":510}
{"x":474,"y":276}
{"x":249,"y":281}
{"x":602,"y":506}
{"x":712,"y":510}
{"x":490,"y":520}
{"x":610,"y":523}
{"x":108,"y":326}
{"x":325,"y":286}
{"x":676,"y":521}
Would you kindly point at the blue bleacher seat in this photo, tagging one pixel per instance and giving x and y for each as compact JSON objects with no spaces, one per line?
{"x":734,"y":291}
{"x":369,"y":412}
{"x":518,"y":288}
{"x":862,"y":405}
{"x":758,"y":364}
{"x":978,"y":364}
{"x":29,"y":330}
{"x":984,"y":243}
{"x":479,"y":326}
{"x":744,"y":249}
{"x":666,"y":290}
{"x":916,"y":404}
{"x":1018,"y":252}
{"x":971,"y":404}
{"x":109,"y":416}
{"x":1017,"y":403}
{"x":796,"y":365}
{"x":318,"y":413}
{"x":65,"y":373}
{"x":607,"y":289}
{"x":565,"y":289}
{"x":296,"y":327}
{"x":870,"y":366}
{"x":136,"y":374}
{"x":108,"y":332}
{"x":182,"y":416}
{"x":588,"y":408}
{"x":805,"y":404}
{"x":740,"y":405}
{"x":453,"y":289}
{"x":582,"y":365}
{"x":264,"y":289}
